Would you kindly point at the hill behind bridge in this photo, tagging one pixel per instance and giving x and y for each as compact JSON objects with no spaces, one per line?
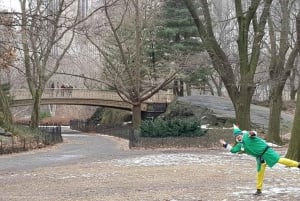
{"x":219,"y":111}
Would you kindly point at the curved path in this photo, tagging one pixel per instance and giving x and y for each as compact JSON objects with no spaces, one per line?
{"x":77,"y":147}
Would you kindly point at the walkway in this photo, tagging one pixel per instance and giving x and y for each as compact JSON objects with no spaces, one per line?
{"x":77,"y":147}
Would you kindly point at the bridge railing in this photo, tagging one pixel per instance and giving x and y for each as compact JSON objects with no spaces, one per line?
{"x":161,"y":98}
{"x":24,"y":94}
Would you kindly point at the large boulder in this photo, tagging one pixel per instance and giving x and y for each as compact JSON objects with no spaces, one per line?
{"x":219,"y":111}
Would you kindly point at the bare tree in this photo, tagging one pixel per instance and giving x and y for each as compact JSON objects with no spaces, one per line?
{"x":294,"y":145}
{"x":241,"y":91}
{"x":7,"y":57}
{"x":280,"y":68}
{"x":127,"y":68}
{"x":46,"y":35}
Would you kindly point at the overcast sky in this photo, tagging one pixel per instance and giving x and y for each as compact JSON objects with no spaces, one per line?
{"x":11,"y":4}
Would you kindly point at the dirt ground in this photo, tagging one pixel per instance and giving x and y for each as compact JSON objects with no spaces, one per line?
{"x":165,"y":175}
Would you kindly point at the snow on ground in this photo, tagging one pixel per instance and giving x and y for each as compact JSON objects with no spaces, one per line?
{"x":165,"y":160}
{"x":277,"y":186}
{"x":186,"y":159}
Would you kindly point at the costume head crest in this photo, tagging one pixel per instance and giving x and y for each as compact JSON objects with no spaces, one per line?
{"x":236,"y":130}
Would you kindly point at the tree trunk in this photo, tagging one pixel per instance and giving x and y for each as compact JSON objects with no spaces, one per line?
{"x":36,"y":109}
{"x":242,"y":105}
{"x":293,"y":89}
{"x":275,"y":114}
{"x":7,"y":118}
{"x":211,"y":89}
{"x":218,"y":85}
{"x":243,"y":116}
{"x":293,"y":93}
{"x":219,"y":88}
{"x":188,"y":89}
{"x":294,"y":144}
{"x":181,"y":87}
{"x":175,"y":88}
{"x":136,"y":116}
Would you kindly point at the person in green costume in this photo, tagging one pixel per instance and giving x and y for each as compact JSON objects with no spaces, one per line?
{"x":248,"y":142}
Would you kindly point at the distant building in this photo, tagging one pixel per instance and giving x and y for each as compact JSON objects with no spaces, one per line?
{"x":83,"y":7}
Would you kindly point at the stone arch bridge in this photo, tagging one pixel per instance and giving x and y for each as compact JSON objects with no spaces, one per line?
{"x":102,"y":98}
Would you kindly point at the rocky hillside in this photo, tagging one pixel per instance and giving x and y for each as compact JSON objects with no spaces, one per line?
{"x":218,"y":111}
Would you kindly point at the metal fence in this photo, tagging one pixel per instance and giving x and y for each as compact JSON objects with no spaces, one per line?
{"x":121,"y":131}
{"x":53,"y":134}
{"x":50,"y":135}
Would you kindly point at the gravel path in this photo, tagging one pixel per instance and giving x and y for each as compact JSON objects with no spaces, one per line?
{"x":114,"y":173}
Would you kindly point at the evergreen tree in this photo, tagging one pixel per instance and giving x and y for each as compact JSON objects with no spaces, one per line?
{"x":176,"y":38}
{"x":176,"y":31}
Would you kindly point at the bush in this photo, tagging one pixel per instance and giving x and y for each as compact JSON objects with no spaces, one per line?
{"x":26,"y":132}
{"x":171,"y":128}
{"x":44,"y":115}
{"x":109,"y":117}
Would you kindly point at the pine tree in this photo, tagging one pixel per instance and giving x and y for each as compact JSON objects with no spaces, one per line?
{"x":176,"y":38}
{"x":176,"y":31}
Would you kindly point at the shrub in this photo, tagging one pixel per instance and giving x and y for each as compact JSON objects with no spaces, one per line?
{"x":171,"y":128}
{"x":44,"y":115}
{"x":109,"y":117}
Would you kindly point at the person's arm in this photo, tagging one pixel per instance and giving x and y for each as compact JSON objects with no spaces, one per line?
{"x":225,"y":145}
{"x":233,"y":149}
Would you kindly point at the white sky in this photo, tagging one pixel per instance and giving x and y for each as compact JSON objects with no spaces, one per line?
{"x":11,"y":4}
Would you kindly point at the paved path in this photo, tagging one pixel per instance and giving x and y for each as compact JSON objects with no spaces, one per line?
{"x":77,"y":147}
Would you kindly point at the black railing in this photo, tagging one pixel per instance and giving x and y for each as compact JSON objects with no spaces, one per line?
{"x":49,"y":135}
{"x":52,"y":134}
{"x":121,"y":131}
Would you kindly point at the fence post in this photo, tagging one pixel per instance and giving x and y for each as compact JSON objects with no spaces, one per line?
{"x":12,"y":143}
{"x":133,"y":141}
{"x":24,"y":145}
{"x":53,"y":135}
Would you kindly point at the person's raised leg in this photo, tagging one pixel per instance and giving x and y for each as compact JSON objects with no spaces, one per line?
{"x":289,"y":162}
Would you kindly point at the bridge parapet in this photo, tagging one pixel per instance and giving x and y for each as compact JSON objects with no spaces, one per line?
{"x":65,"y":93}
